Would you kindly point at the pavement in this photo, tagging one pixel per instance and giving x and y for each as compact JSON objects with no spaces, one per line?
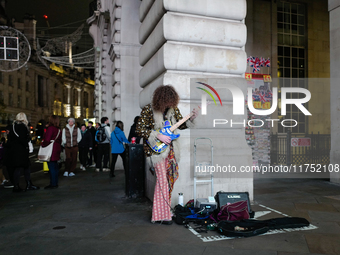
{"x":89,"y":214}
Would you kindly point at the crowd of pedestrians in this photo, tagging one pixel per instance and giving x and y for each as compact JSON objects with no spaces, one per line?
{"x":92,"y":144}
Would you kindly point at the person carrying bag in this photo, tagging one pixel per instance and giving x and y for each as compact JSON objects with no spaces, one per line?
{"x":50,"y":150}
{"x":117,"y":146}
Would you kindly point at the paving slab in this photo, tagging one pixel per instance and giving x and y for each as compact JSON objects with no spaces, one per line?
{"x":315,"y":207}
{"x":99,"y":219}
{"x":324,"y":216}
{"x":324,"y":244}
{"x":292,"y":242}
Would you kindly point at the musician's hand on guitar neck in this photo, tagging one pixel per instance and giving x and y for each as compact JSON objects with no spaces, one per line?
{"x":194,"y":114}
{"x":163,"y":138}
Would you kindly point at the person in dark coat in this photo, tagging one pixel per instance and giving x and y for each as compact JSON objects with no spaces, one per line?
{"x":85,"y":145}
{"x":133,"y":131}
{"x":117,"y":146}
{"x":92,"y":153}
{"x":53,"y":133}
{"x":18,"y":152}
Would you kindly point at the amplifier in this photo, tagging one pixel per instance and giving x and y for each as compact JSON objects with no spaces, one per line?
{"x":223,"y":198}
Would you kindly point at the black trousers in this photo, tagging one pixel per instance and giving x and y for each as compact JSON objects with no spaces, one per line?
{"x":114,"y":157}
{"x":17,"y":171}
{"x":83,"y":151}
{"x":103,"y":150}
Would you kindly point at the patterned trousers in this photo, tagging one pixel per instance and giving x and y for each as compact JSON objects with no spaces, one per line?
{"x":161,"y":201}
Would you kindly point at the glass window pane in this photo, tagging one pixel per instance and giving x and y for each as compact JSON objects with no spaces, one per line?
{"x":301,"y":128}
{"x":279,"y":27}
{"x":294,"y":40}
{"x":280,"y":72}
{"x":280,"y":6}
{"x":301,"y":53}
{"x":286,"y":51}
{"x":294,"y":108}
{"x":286,"y":73}
{"x":294,"y":73}
{"x":294,"y":62}
{"x":280,"y":51}
{"x":286,"y":83}
{"x":294,"y":29}
{"x":294,"y":129}
{"x":279,"y":17}
{"x":294,"y":19}
{"x":286,"y":62}
{"x":301,"y":63}
{"x":301,"y":83}
{"x":294,"y":8}
{"x":286,"y":39}
{"x":280,"y":39}
{"x":286,"y":28}
{"x":295,"y":82}
{"x":301,"y":95}
{"x":286,"y":18}
{"x":280,"y":129}
{"x":280,"y":61}
{"x":301,"y":30}
{"x":286,"y":7}
{"x":289,"y":108}
{"x":302,"y":73}
{"x":294,"y":52}
{"x":301,"y":40}
{"x":301,"y":20}
{"x":301,"y":9}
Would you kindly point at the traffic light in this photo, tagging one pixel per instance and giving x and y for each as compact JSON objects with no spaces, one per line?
{"x":9,"y":48}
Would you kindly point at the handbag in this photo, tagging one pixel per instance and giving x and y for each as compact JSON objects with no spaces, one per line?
{"x":232,"y":212}
{"x":30,"y":145}
{"x":45,"y":153}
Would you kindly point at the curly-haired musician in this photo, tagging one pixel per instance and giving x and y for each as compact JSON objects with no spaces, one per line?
{"x":161,"y":151}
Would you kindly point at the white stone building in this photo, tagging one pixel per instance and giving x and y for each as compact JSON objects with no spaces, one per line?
{"x":144,"y":44}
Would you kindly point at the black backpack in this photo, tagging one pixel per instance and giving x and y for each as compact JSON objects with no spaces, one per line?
{"x":100,"y":134}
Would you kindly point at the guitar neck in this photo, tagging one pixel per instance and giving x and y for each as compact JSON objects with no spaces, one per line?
{"x":174,"y":127}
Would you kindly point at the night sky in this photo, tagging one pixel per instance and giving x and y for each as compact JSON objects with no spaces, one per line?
{"x":59,"y":12}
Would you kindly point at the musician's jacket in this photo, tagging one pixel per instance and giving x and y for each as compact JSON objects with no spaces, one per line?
{"x":151,"y":120}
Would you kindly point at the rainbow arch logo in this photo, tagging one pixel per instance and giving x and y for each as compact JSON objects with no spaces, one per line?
{"x":209,"y":93}
{"x":204,"y":97}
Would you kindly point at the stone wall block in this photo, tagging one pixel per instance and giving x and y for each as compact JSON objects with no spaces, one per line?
{"x":117,"y":37}
{"x":116,"y":102}
{"x":225,"y":9}
{"x":118,"y":13}
{"x":116,"y":90}
{"x":144,"y":8}
{"x":195,"y":59}
{"x":117,"y":25}
{"x":193,"y":30}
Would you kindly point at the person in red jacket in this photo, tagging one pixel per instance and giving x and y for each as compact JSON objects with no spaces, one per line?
{"x":53,"y":133}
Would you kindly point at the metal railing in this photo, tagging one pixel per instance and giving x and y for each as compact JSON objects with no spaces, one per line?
{"x":282,"y":153}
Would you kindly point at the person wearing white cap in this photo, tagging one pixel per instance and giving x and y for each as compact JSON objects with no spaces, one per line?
{"x":70,"y":138}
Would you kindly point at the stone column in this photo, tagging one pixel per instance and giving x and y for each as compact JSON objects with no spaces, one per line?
{"x":334,"y":21}
{"x":67,"y":105}
{"x":187,"y":40}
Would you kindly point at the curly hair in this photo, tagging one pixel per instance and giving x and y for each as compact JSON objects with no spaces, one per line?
{"x":164,"y":97}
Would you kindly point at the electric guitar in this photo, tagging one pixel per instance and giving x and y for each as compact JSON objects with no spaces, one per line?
{"x":168,"y":131}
